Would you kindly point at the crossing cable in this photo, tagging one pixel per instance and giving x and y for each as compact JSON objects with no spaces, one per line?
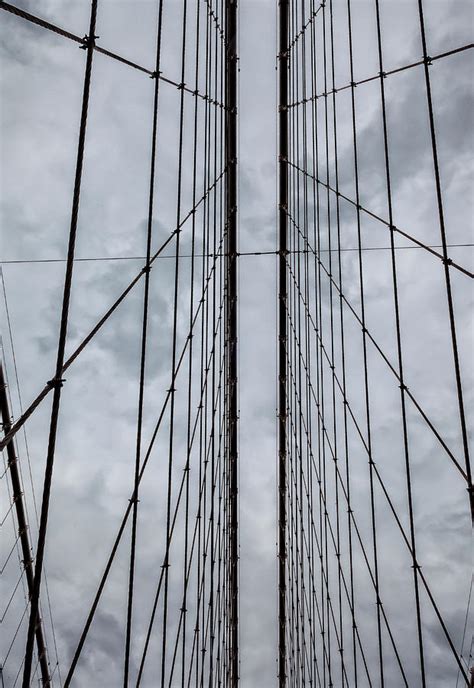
{"x":18,"y":424}
{"x":23,"y":536}
{"x":447,"y":276}
{"x":17,"y":11}
{"x":57,"y":381}
{"x":20,"y":400}
{"x":325,"y":581}
{"x":392,"y":228}
{"x":325,"y":433}
{"x":397,"y":519}
{"x":385,"y":358}
{"x":325,"y":503}
{"x":390,"y":72}
{"x":202,"y":484}
{"x":144,"y":464}
{"x":207,"y":539}
{"x":151,"y":193}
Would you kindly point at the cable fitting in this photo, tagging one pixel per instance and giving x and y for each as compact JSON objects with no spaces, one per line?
{"x":86,"y":42}
{"x":56,"y":382}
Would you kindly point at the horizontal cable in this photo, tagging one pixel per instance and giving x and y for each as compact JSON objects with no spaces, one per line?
{"x":418,"y":63}
{"x":238,"y":254}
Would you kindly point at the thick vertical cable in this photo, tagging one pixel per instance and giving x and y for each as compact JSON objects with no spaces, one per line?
{"x":282,"y":329}
{"x":231,"y":324}
{"x":57,"y":382}
{"x":26,"y":548}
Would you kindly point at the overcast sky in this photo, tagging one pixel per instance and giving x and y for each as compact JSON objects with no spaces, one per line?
{"x":41,"y":80}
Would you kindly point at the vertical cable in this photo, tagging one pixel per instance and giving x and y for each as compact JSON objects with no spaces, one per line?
{"x":151,"y":193}
{"x":166,"y":564}
{"x":446,"y":260}
{"x":231,"y":258}
{"x":282,"y":331}
{"x":57,"y":382}
{"x":399,"y":351}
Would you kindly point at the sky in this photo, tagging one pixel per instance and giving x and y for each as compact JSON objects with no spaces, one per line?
{"x":41,"y":81}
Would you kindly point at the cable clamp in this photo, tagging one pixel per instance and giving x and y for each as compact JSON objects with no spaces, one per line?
{"x":403,"y":387}
{"x":171,"y":389}
{"x":145,"y":269}
{"x":86,"y":41}
{"x":181,"y":86}
{"x":447,"y":261}
{"x":428,"y":60}
{"x":282,"y":108}
{"x":354,"y":84}
{"x":56,"y":382}
{"x":383,"y":75}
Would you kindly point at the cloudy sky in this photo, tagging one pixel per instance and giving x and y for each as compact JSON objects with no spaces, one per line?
{"x":41,"y":93}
